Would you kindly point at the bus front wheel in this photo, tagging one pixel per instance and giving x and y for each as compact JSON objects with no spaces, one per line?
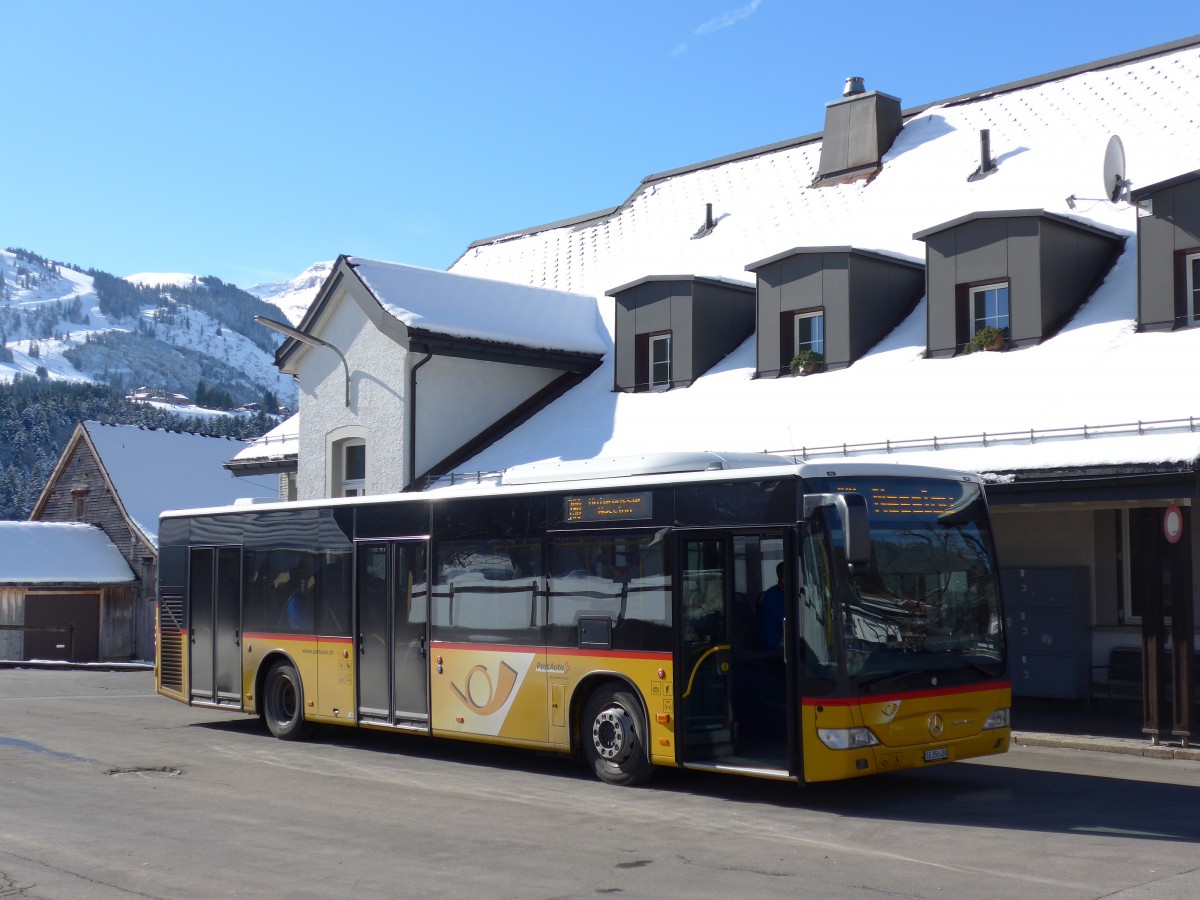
{"x":283,"y":702}
{"x":614,"y":736}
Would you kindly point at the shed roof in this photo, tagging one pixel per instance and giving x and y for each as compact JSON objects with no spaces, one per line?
{"x":61,"y":553}
{"x":153,"y":470}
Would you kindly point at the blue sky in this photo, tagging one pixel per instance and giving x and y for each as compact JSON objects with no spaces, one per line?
{"x":248,"y":140}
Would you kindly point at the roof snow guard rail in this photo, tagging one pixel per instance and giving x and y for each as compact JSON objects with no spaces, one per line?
{"x":550,"y":471}
{"x":452,"y":478}
{"x":985,"y":439}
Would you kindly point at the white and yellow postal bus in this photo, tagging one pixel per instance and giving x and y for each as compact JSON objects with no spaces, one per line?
{"x":802,"y":622}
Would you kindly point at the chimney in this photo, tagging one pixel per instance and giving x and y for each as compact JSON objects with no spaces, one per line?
{"x":859,"y":130}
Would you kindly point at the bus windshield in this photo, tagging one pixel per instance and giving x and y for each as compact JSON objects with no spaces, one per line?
{"x":929,"y":601}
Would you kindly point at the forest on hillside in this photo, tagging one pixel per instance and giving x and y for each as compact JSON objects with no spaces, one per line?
{"x":226,"y":303}
{"x":37,"y":418}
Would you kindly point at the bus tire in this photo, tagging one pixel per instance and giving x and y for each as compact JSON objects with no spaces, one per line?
{"x":283,"y":702}
{"x":614,"y":736}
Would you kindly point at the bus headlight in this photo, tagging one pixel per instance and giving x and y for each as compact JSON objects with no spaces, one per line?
{"x":999,"y":719}
{"x":847,"y":738}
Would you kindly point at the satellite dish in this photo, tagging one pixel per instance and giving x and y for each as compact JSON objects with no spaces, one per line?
{"x":1116,"y":187}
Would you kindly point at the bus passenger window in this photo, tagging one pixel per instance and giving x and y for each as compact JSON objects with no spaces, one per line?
{"x":489,"y":587}
{"x":618,"y":576}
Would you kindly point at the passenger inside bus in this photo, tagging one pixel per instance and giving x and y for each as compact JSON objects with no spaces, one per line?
{"x":770,"y":613}
{"x":299,"y":610}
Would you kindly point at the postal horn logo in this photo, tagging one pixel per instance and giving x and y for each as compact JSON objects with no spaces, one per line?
{"x":480,"y":695}
{"x":936,"y":725}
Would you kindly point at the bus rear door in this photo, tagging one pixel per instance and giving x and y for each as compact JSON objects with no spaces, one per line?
{"x":215,"y":610}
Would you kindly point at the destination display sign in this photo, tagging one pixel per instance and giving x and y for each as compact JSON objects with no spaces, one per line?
{"x":916,"y":500}
{"x":608,"y":507}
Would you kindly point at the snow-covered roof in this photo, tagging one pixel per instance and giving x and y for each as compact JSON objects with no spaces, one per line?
{"x":59,"y":553}
{"x":153,"y":470}
{"x":1048,"y":140}
{"x":280,"y":444}
{"x":484,"y":309}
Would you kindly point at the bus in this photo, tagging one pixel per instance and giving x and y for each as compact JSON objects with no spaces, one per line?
{"x":744,"y":614}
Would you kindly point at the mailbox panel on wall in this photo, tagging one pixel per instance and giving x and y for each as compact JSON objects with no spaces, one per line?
{"x":1048,"y":614}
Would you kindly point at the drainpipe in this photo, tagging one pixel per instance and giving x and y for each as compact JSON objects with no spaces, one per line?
{"x":412,"y":419}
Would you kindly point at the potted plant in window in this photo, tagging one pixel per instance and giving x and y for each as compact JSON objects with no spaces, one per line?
{"x":806,"y":362}
{"x":987,"y":338}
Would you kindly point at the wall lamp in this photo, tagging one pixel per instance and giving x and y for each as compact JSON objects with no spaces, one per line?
{"x":303,"y":338}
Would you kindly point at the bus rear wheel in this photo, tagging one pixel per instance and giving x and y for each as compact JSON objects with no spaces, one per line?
{"x":614,"y":736}
{"x":283,"y":702}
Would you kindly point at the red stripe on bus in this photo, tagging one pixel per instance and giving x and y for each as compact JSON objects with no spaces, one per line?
{"x":908,"y":695}
{"x":556,"y":651}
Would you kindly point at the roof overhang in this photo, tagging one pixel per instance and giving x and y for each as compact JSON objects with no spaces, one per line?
{"x":1097,"y":484}
{"x":1151,"y":189}
{"x":743,"y":286}
{"x":1019,"y":214}
{"x":421,"y":341}
{"x":278,"y":465}
{"x":883,"y":256}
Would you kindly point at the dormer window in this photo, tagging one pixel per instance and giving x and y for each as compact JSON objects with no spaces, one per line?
{"x":671,"y":329}
{"x":660,"y":361}
{"x":1025,"y":272}
{"x":837,"y":302}
{"x":809,"y":331}
{"x":1168,"y":251}
{"x":989,"y":307}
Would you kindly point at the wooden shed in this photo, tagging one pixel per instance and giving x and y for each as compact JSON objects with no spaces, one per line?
{"x":66,"y":593}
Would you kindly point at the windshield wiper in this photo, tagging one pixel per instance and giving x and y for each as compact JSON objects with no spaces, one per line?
{"x":978,"y":667}
{"x":871,"y":684}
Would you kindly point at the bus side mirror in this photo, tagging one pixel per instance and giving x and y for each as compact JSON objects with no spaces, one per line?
{"x":856,"y":525}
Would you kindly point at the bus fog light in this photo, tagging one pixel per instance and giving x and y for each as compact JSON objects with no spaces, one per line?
{"x":999,"y":719}
{"x":847,"y":738}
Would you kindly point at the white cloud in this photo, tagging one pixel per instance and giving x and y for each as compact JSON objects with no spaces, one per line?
{"x":728,"y":19}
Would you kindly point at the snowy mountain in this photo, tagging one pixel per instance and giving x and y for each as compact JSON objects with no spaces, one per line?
{"x":295,"y":296}
{"x":170,"y":331}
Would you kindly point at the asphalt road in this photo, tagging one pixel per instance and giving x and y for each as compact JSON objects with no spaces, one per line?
{"x":109,"y":791}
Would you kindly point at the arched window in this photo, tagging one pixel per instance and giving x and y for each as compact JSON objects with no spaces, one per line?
{"x":348,"y":467}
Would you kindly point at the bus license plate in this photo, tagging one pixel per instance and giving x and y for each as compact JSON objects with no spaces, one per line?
{"x":938,"y":754}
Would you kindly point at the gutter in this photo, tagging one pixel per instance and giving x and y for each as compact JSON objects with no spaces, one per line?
{"x":412,"y":419}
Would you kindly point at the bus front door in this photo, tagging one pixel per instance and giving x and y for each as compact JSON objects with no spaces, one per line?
{"x":215,"y":604}
{"x":706,"y":696}
{"x":393,"y":666}
{"x":733,"y":686}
